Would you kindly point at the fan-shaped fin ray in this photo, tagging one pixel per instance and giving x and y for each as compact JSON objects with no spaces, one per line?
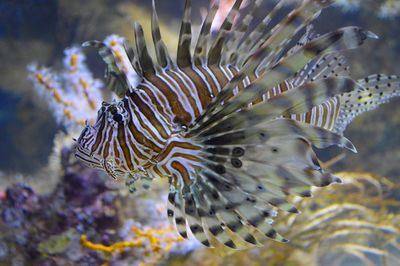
{"x":200,"y":52}
{"x":308,"y":36}
{"x":227,"y":197}
{"x":184,"y":58}
{"x":208,"y":214}
{"x":214,"y":55}
{"x":279,"y":37}
{"x":258,"y":33}
{"x":133,"y":58}
{"x":116,"y":79}
{"x":230,"y":53}
{"x":330,"y":65}
{"x":146,"y":63}
{"x":295,"y":101}
{"x":161,"y":50}
{"x":341,"y":39}
{"x":192,"y":207}
{"x":256,"y":219}
{"x":176,"y":213}
{"x":285,"y":128}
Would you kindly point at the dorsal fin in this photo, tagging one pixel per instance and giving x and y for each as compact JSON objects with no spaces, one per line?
{"x":257,"y":34}
{"x":280,"y":36}
{"x":200,"y":51}
{"x":133,"y":58}
{"x":145,"y":61}
{"x":214,"y":55}
{"x":302,"y":14}
{"x":116,"y":79}
{"x":339,"y":40}
{"x":184,"y":58}
{"x":162,"y":54}
{"x":331,"y":65}
{"x":230,"y":55}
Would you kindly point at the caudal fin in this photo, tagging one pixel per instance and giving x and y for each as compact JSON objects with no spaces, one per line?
{"x":378,"y":89}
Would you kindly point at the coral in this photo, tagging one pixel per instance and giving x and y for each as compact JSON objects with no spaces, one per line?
{"x":153,"y":244}
{"x":45,"y":228}
{"x":73,"y":95}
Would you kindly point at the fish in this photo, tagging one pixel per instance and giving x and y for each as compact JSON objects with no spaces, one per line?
{"x":232,"y":122}
{"x":223,"y":10}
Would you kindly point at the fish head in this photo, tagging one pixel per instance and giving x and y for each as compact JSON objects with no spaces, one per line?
{"x":96,"y":145}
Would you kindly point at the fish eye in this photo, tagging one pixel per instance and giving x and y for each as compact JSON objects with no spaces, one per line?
{"x":112,"y":109}
{"x":117,"y":114}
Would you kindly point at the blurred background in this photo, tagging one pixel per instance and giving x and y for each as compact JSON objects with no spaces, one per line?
{"x":40,"y":181}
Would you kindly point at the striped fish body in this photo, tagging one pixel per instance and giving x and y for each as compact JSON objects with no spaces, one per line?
{"x":233,"y":124}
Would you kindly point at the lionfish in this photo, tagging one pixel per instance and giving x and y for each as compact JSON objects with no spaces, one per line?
{"x":233,"y":122}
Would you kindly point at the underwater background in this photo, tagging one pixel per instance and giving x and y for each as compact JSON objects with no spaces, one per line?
{"x":54,"y":211}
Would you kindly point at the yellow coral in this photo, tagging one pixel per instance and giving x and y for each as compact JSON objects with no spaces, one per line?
{"x":155,"y":243}
{"x":74,"y":62}
{"x":47,"y":84}
{"x":117,"y":247}
{"x":85,"y":87}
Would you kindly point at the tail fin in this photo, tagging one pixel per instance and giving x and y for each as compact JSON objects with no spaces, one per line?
{"x":378,"y":89}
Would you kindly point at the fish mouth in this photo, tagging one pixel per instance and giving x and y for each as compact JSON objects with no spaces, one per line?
{"x":88,"y":158}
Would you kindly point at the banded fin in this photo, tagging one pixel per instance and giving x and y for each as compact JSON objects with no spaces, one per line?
{"x":162,"y":54}
{"x":200,"y":52}
{"x":339,"y":40}
{"x":279,"y":37}
{"x":116,"y":79}
{"x":145,"y":61}
{"x":214,"y":55}
{"x":184,"y":58}
{"x":308,"y":36}
{"x":192,"y":207}
{"x":227,"y":201}
{"x":220,"y":207}
{"x":255,"y":35}
{"x":133,"y":58}
{"x":230,"y":54}
{"x":298,"y":100}
{"x":175,"y":211}
{"x":208,"y":215}
{"x":259,"y":162}
{"x":330,"y":65}
{"x":323,"y":115}
{"x":336,"y":113}
{"x":238,"y":184}
{"x":285,"y":128}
